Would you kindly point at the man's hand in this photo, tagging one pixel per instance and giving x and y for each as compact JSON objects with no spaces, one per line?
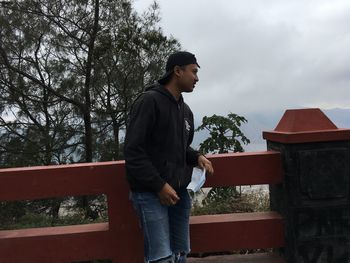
{"x":168,"y":195}
{"x":204,"y":163}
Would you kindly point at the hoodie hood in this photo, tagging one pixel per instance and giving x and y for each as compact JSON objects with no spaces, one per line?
{"x":162,"y":90}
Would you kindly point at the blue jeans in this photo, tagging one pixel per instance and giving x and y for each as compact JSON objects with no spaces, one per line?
{"x":165,"y":228}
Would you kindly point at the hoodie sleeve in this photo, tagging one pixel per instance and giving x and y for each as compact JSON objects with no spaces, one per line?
{"x":139,"y":168}
{"x":191,"y":154}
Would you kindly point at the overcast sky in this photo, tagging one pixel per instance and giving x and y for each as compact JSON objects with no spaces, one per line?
{"x":258,"y":56}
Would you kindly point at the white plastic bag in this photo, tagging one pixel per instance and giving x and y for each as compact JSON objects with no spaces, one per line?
{"x":198,"y":179}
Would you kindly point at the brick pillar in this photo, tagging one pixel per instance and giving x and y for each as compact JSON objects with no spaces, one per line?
{"x":314,"y":196}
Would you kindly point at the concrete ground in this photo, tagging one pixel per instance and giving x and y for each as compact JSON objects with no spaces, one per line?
{"x":252,"y":258}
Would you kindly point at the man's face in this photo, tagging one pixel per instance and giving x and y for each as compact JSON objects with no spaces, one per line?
{"x":187,"y":77}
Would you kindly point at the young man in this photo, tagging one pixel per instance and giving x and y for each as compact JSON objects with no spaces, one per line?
{"x":159,"y":160}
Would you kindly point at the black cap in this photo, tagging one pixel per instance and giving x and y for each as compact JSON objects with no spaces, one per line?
{"x":180,"y":58}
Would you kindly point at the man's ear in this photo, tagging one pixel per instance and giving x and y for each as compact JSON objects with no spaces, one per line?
{"x":177,"y":70}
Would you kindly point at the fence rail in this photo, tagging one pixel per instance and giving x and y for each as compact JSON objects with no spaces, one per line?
{"x":120,"y":239}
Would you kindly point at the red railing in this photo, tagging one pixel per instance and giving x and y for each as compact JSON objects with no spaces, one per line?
{"x":120,"y":238}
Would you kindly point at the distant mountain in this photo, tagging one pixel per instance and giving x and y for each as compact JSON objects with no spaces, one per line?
{"x":340,"y":117}
{"x":257,"y":123}
{"x":266,"y":121}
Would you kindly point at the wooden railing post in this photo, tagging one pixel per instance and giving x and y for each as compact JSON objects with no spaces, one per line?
{"x":314,"y":196}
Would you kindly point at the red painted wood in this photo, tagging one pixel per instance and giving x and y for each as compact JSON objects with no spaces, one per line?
{"x":52,"y":231}
{"x":103,"y":178}
{"x":304,"y":120}
{"x":55,"y":246}
{"x":82,"y":242}
{"x":306,"y":137}
{"x":245,"y":169}
{"x":60,"y":180}
{"x":306,"y":125}
{"x":228,"y":232}
{"x":72,"y":180}
{"x":120,"y":239}
{"x":67,"y":248}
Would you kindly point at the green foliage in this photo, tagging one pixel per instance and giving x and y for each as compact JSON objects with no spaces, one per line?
{"x":225,"y":134}
{"x":221,"y":194}
{"x":256,"y":201}
{"x":69,"y":71}
{"x":32,"y":220}
{"x":70,"y":75}
{"x":11,"y":212}
{"x":38,"y":213}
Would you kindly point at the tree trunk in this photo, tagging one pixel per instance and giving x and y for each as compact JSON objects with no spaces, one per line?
{"x":116,"y":152}
{"x":88,"y":135}
{"x":88,"y":74}
{"x":87,"y":107}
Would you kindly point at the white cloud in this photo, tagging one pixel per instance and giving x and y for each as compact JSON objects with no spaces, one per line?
{"x":263,"y":55}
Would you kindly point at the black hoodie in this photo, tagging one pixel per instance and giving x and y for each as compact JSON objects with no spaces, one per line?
{"x":157,"y":143}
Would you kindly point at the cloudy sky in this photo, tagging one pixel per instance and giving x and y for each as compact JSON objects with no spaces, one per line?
{"x":260,"y":56}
